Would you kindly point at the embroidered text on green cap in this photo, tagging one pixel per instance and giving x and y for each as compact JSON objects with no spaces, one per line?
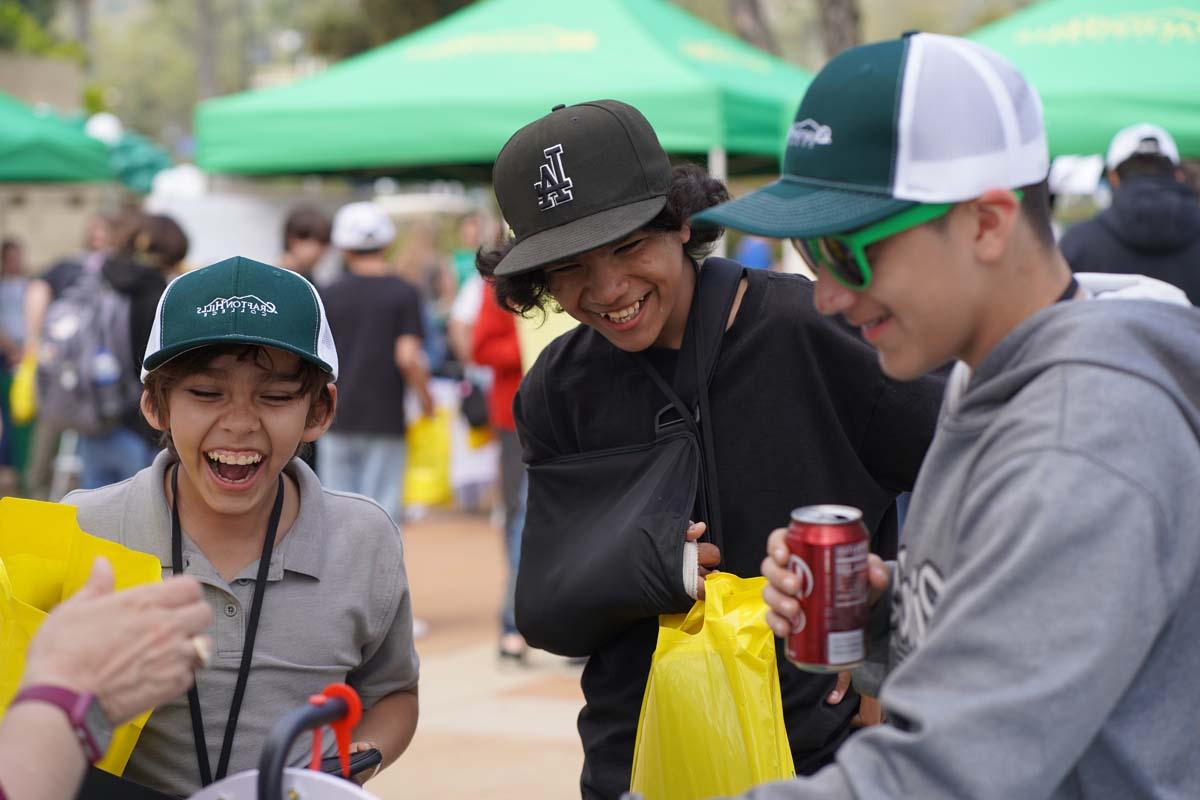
{"x":241,"y":301}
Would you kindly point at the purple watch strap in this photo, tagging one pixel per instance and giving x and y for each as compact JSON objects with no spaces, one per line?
{"x":74,"y":704}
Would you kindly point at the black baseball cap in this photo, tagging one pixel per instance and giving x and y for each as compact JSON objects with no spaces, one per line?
{"x":579,"y":178}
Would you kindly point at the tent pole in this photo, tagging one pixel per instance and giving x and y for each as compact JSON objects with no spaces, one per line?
{"x":718,"y":168}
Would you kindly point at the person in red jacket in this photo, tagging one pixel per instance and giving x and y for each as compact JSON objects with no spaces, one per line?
{"x":494,"y":344}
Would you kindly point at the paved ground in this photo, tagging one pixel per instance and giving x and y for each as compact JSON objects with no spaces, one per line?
{"x":487,"y":729}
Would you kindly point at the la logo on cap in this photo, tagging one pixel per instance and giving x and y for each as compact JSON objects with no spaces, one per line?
{"x":810,"y":133}
{"x":555,"y":187}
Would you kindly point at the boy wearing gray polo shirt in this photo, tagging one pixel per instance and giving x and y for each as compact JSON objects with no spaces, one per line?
{"x":307,"y":585}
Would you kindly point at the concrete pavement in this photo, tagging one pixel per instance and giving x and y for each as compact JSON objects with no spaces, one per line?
{"x":487,"y":729}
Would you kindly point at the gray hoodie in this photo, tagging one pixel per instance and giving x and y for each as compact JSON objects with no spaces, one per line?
{"x":1045,"y":635}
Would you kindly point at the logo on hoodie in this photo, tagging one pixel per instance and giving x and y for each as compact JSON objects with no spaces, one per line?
{"x":914,"y":599}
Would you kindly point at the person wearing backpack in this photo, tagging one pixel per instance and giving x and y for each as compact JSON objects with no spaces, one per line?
{"x":43,"y":290}
{"x":138,"y":273}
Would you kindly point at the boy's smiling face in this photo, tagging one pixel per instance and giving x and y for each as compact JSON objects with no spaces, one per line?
{"x":632,"y":291}
{"x":235,"y":424}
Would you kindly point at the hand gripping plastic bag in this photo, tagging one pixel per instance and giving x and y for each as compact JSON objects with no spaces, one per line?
{"x":44,"y":559}
{"x":712,"y":716}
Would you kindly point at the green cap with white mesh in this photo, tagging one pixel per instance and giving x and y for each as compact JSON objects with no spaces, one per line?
{"x":241,"y":301}
{"x":884,"y":127}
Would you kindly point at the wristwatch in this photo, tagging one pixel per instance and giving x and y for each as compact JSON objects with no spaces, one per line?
{"x":83,"y":710}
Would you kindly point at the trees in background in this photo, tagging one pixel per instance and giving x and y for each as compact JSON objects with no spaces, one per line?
{"x":841,"y":25}
{"x":24,"y":28}
{"x":336,"y":29}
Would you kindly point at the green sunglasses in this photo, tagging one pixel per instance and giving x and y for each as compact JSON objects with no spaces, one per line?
{"x":845,"y":255}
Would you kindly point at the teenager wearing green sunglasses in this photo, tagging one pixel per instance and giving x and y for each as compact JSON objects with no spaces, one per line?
{"x":1042,"y":598}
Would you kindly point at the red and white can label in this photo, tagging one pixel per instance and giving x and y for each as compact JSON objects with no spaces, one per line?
{"x":830,"y":628}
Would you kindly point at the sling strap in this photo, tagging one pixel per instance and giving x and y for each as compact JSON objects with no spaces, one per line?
{"x":716,"y":288}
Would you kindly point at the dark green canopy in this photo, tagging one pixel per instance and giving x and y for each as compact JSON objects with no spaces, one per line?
{"x":36,"y":148}
{"x":1100,"y":65}
{"x":453,"y":92}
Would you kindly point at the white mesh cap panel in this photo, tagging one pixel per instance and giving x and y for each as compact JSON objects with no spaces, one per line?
{"x":968,"y":122}
{"x":326,"y":349}
{"x":154,"y":343}
{"x":1027,"y":104}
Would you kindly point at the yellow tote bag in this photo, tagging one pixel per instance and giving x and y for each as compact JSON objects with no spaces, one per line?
{"x":712,"y":716}
{"x":22,"y":395}
{"x":427,"y":467}
{"x":44,"y":559}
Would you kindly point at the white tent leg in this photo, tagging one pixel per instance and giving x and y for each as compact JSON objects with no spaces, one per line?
{"x":718,"y":167}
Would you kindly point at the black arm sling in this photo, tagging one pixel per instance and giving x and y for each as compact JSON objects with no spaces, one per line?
{"x":602,"y":546}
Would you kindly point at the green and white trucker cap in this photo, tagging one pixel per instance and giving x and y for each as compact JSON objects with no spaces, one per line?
{"x":920,"y":119}
{"x":240,"y":301}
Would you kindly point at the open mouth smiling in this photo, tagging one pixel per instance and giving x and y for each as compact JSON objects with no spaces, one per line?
{"x":626,"y":314}
{"x":234,"y":466}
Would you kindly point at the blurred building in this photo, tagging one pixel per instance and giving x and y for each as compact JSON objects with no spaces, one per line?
{"x":41,"y":81}
{"x":50,"y":218}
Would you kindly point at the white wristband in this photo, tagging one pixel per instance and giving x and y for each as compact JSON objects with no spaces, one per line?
{"x":691,"y":568}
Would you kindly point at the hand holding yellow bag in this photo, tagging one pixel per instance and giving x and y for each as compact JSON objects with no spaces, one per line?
{"x":712,"y":717}
{"x":44,"y":559}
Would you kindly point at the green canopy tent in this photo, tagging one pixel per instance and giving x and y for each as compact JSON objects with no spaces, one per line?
{"x":453,"y":92}
{"x":135,"y":160}
{"x":43,"y":148}
{"x":1100,"y":65}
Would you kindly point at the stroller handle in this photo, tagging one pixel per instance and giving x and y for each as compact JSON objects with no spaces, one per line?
{"x":289,"y":728}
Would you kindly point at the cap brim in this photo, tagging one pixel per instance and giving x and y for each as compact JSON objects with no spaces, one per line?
{"x":789,"y":208}
{"x":573,"y":238}
{"x":167,"y":353}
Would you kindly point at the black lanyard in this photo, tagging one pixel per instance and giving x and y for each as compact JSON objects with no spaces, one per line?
{"x":260,"y":586}
{"x":1069,"y":292}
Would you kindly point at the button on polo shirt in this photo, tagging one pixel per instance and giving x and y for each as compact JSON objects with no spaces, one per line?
{"x":336,"y":608}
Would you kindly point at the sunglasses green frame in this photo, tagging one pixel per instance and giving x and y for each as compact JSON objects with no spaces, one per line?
{"x":818,"y":251}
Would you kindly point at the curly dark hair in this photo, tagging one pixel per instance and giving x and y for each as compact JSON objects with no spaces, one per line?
{"x":692,"y":190}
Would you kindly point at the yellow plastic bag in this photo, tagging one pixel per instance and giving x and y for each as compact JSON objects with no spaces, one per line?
{"x":427,"y":471}
{"x":712,"y":717}
{"x":44,"y":559}
{"x":22,"y":395}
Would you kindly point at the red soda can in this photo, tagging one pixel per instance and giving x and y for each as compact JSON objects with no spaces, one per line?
{"x":829,"y":546}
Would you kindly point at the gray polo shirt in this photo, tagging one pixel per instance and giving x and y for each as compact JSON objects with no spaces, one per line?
{"x":337,"y":608}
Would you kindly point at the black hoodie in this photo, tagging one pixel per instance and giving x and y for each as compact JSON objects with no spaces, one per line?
{"x":1152,"y":229}
{"x":143,"y":286}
